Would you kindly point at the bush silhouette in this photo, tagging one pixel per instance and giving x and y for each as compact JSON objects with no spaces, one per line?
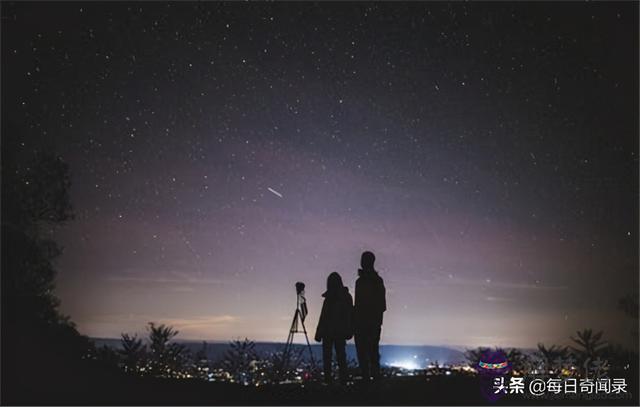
{"x":239,"y":360}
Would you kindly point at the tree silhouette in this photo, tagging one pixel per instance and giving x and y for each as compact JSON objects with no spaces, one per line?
{"x":285,"y":368}
{"x":133,"y":353}
{"x":35,"y":200}
{"x":519,"y":361}
{"x":589,"y":348}
{"x":589,"y":344}
{"x":553,"y":358}
{"x":167,"y":359}
{"x":239,"y":360}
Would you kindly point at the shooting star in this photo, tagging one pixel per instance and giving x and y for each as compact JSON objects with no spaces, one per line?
{"x":275,"y":192}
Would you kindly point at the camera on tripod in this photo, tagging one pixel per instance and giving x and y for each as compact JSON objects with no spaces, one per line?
{"x":298,"y":318}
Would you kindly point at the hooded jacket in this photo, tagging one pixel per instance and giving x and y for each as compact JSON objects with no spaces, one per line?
{"x":370,"y":300}
{"x":336,"y":317}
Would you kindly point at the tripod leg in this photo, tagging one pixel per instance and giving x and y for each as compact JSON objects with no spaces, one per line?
{"x":304,"y":329}
{"x":289,"y":344}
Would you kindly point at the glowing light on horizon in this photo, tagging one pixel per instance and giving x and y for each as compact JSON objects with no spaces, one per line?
{"x":405,"y":364}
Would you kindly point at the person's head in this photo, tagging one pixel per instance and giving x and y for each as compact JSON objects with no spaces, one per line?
{"x":367,"y":260}
{"x":334,"y":282}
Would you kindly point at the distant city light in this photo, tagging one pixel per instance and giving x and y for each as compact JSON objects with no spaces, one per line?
{"x":405,"y":364}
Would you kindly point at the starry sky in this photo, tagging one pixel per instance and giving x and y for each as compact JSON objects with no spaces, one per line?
{"x":487,"y":153}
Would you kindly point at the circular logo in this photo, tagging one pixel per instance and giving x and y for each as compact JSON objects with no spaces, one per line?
{"x":492,"y":368}
{"x":494,"y":363}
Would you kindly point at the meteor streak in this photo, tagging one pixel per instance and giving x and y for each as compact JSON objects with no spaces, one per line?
{"x":275,"y":192}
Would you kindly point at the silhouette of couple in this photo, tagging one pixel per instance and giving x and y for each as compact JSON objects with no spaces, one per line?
{"x":340,"y":320}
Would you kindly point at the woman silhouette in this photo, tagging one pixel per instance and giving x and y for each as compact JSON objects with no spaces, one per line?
{"x":335,"y":326}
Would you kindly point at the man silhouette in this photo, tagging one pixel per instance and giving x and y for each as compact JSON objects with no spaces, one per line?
{"x":370,"y":304}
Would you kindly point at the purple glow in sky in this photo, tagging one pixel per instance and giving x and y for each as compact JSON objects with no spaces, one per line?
{"x":487,"y":153}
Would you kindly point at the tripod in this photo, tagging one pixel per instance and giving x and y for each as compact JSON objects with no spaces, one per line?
{"x":299,"y":315}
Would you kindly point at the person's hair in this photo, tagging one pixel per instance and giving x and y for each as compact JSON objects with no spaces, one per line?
{"x":334,"y":282}
{"x":367,"y":260}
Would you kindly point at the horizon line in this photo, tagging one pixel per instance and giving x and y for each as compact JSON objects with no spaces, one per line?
{"x":222,"y":341}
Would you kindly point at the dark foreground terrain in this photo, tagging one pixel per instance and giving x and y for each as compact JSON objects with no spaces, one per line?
{"x":441,"y":390}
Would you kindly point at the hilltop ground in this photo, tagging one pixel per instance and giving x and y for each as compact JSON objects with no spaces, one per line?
{"x":439,"y":390}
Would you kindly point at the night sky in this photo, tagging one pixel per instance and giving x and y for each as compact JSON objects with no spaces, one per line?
{"x":487,"y":153}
